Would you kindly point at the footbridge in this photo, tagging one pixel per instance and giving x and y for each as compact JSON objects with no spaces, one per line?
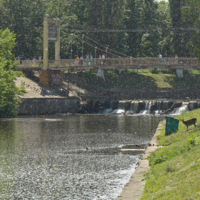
{"x":52,"y":71}
{"x":111,"y":63}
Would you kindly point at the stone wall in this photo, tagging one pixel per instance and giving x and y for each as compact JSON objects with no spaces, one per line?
{"x":38,"y":106}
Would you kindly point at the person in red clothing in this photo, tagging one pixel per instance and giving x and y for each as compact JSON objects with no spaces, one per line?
{"x":77,"y":60}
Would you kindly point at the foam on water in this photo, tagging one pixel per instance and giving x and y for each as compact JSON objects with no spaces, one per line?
{"x":118,"y":111}
{"x":180,"y":110}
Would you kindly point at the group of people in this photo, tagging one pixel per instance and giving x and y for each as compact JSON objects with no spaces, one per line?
{"x":160,"y":55}
{"x":89,"y":56}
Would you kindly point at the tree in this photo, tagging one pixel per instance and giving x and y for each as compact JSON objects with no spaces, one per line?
{"x":175,"y":12}
{"x":190,"y":19}
{"x":25,"y":19}
{"x":8,"y":90}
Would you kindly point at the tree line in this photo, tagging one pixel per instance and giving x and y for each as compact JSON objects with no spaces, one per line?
{"x":151,"y":27}
{"x":137,"y":28}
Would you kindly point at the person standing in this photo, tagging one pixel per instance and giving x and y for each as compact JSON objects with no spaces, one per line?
{"x":77,"y":60}
{"x":160,"y":58}
{"x":34,"y":61}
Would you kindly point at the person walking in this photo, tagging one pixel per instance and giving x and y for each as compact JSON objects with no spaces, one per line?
{"x":77,"y":60}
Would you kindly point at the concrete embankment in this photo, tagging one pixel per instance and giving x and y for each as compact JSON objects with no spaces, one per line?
{"x":135,"y":187}
{"x":41,"y":99}
{"x":38,"y":106}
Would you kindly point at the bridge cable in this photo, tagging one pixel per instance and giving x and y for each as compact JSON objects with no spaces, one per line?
{"x":105,"y":46}
{"x":130,"y":30}
{"x":93,"y":45}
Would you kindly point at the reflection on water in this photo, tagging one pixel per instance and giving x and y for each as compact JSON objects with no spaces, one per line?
{"x":69,"y":157}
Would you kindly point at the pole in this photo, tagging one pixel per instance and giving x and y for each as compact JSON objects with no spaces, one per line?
{"x":45,"y":43}
{"x":95,"y":52}
{"x":57,"y":44}
{"x":106,"y":52}
{"x":96,"y":55}
{"x":71,"y":50}
{"x":82,"y":44}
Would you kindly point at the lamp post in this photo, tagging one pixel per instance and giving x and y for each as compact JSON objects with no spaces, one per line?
{"x":96,"y":55}
{"x":45,"y":42}
{"x":95,"y":52}
{"x":82,"y":44}
{"x":71,"y":49}
{"x":106,"y":52}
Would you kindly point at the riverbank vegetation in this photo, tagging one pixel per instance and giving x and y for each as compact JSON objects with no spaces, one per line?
{"x":8,"y":90}
{"x":129,"y":27}
{"x":175,"y":168}
{"x":142,"y":79}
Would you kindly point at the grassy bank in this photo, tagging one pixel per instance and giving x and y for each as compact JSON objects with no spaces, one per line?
{"x":143,"y":78}
{"x":175,"y":168}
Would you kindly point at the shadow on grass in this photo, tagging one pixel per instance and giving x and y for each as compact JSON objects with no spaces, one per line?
{"x":188,"y":81}
{"x":124,"y":80}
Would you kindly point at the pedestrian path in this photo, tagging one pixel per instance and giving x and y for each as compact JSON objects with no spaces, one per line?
{"x":135,"y":187}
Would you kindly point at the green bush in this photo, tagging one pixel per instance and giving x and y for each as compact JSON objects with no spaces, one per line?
{"x":8,"y":91}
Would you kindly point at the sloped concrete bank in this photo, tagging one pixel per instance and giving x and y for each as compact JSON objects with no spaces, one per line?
{"x":38,"y":106}
{"x":134,"y":190}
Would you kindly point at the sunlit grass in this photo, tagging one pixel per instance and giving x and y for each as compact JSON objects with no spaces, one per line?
{"x":175,"y":168}
{"x":161,"y":80}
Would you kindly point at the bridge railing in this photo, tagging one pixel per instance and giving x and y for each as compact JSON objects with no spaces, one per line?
{"x":115,"y":62}
{"x":31,"y":63}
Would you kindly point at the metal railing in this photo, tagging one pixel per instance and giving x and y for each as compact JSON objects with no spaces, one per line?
{"x":114,"y":62}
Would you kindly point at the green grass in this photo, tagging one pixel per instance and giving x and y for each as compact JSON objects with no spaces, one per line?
{"x":175,"y":168}
{"x":143,"y":78}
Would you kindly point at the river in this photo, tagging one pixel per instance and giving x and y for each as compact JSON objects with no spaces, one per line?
{"x":72,"y":157}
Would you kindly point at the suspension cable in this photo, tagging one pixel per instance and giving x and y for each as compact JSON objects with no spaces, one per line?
{"x":105,"y":46}
{"x":93,"y":45}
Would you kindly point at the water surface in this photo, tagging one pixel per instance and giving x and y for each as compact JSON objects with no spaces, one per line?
{"x":69,"y":156}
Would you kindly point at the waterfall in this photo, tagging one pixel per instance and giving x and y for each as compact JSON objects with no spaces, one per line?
{"x":121,"y":108}
{"x":147,"y":109}
{"x":180,"y":110}
{"x":158,"y":110}
{"x":133,"y":108}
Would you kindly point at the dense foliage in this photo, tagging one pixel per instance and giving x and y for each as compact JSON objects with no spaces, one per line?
{"x":130,"y":27}
{"x":8,"y":90}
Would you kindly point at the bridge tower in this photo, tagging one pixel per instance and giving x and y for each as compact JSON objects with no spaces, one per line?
{"x":51,"y":32}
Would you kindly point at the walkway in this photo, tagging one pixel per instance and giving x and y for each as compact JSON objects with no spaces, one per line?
{"x":135,"y":188}
{"x":111,"y":63}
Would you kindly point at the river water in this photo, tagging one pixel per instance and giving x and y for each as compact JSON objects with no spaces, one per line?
{"x":72,"y":157}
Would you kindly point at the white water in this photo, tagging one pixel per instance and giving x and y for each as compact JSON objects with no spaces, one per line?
{"x":158,"y":111}
{"x":118,"y":111}
{"x":147,"y":108}
{"x":180,"y":110}
{"x":133,"y":110}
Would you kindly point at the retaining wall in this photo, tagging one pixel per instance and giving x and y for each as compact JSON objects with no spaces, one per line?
{"x":37,"y":106}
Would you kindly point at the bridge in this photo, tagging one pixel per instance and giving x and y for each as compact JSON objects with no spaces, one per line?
{"x":111,"y":63}
{"x":51,"y":71}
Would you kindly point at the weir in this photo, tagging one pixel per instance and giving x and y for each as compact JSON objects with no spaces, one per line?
{"x":142,"y":107}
